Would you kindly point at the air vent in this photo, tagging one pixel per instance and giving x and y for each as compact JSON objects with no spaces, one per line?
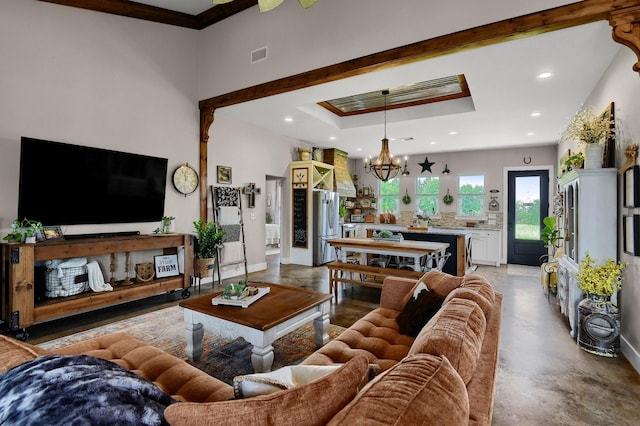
{"x":259,"y":55}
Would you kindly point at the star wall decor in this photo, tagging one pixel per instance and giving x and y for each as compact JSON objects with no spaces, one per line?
{"x":426,"y":165}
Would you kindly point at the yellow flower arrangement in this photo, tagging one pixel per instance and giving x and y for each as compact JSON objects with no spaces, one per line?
{"x":602,"y":280}
{"x":588,"y":128}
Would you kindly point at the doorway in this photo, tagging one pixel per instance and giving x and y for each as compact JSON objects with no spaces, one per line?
{"x":273,"y":216}
{"x":527,"y":206}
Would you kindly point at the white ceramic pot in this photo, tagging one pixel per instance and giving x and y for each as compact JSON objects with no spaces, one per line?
{"x":593,"y":156}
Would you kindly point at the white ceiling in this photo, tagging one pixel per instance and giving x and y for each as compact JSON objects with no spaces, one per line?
{"x":503,"y":84}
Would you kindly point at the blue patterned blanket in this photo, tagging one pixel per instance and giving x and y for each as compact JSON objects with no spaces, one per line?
{"x":78,"y":390}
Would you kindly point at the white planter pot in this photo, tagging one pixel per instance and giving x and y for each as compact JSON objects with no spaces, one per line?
{"x":593,"y":156}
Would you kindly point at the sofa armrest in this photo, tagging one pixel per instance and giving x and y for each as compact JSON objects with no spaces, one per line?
{"x":394,"y":291}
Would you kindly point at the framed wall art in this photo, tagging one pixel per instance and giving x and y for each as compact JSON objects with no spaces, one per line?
{"x":224,"y":174}
{"x":52,"y":233}
{"x":632,"y":187}
{"x":631,"y":230}
{"x":608,"y":153}
{"x":166,"y":265}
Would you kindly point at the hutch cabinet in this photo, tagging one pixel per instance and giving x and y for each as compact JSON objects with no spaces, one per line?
{"x":589,"y":222}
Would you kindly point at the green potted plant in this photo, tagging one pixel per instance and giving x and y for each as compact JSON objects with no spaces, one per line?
{"x":550,"y":235}
{"x":24,"y":230}
{"x":574,"y":161}
{"x":209,"y":237}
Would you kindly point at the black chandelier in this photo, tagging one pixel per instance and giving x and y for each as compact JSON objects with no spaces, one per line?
{"x":384,"y":168}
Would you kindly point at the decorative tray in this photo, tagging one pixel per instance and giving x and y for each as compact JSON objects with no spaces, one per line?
{"x":244,"y":302}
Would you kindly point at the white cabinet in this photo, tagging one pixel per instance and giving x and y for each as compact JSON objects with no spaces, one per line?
{"x":589,"y":223}
{"x":486,"y":247}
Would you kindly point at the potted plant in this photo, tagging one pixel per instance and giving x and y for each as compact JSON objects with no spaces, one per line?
{"x":597,"y":313}
{"x":574,"y":161}
{"x":423,"y":220}
{"x":209,"y":237}
{"x":550,"y":235}
{"x":591,"y":131}
{"x":24,"y":230}
{"x":602,"y":281}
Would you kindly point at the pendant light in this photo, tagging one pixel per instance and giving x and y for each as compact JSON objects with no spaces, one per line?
{"x":384,"y":168}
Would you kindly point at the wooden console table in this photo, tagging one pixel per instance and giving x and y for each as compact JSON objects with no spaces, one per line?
{"x":21,"y":310}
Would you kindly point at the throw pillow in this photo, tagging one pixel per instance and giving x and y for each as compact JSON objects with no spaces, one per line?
{"x":421,"y":389}
{"x":249,"y":385}
{"x":16,"y":352}
{"x":418,"y":310}
{"x":312,"y":404}
{"x":64,"y":390}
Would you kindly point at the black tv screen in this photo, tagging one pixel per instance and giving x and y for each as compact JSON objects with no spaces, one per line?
{"x":65,"y":184}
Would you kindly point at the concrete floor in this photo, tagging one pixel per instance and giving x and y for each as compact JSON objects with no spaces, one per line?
{"x":544,"y":378}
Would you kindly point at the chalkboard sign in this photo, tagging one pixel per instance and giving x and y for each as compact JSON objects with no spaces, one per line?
{"x":300,"y":217}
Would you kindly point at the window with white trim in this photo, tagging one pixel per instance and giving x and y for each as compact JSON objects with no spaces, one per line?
{"x":471,"y":195}
{"x":389,"y":200}
{"x":427,"y":195}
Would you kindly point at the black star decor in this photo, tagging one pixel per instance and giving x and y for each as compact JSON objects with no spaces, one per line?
{"x":426,"y":165}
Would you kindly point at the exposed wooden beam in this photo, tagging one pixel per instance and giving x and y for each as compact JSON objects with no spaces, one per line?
{"x":146,"y":12}
{"x":510,"y":29}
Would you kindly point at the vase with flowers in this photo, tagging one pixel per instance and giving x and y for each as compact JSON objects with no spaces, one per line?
{"x":599,"y":318}
{"x":591,"y":131}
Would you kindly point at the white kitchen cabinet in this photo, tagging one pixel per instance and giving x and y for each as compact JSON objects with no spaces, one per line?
{"x":589,"y":224}
{"x":486,"y":247}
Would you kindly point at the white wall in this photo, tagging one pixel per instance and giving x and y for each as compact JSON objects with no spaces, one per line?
{"x":87,"y":78}
{"x":621,"y":85}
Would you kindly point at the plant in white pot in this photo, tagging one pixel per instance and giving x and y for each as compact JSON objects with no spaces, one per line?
{"x":591,"y":131}
{"x":209,"y":237}
{"x":24,"y":230}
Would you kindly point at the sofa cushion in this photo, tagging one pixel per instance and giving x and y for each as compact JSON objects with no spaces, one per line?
{"x":457,"y":332}
{"x":15,"y":352}
{"x":312,"y":404}
{"x":376,"y":336}
{"x":174,"y":376}
{"x":420,"y":306}
{"x":472,"y":294}
{"x":422,"y":389}
{"x":440,"y":282}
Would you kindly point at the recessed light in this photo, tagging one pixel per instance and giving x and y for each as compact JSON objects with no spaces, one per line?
{"x":544,"y":75}
{"x":332,"y":138}
{"x":530,"y":134}
{"x":535,"y":114}
{"x":288,"y":119}
{"x":358,"y":149}
{"x":453,"y":132}
{"x":433,"y":142}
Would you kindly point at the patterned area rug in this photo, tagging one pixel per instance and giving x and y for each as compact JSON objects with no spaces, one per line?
{"x":222,"y":358}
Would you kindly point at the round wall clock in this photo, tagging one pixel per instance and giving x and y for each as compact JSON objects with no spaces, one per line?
{"x":185,"y":179}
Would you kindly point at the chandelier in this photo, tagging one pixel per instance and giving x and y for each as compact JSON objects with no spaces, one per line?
{"x":384,"y":168}
{"x":267,"y":5}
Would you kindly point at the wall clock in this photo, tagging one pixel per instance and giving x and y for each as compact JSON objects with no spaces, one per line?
{"x":185,"y":179}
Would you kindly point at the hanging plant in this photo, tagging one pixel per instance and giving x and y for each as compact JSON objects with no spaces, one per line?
{"x":406,"y":199}
{"x":448,"y":198}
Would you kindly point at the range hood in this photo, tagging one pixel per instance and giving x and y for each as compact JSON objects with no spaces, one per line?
{"x":342,"y":182}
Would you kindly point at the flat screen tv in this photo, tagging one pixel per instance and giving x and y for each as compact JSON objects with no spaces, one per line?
{"x":65,"y":184}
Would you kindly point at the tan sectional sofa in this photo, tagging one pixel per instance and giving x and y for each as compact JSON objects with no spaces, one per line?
{"x":445,"y":375}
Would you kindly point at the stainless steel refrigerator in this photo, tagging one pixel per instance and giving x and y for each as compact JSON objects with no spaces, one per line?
{"x":326,"y":225}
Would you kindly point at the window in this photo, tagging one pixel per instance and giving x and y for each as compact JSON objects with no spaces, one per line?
{"x":471,"y":195}
{"x":390,"y":196}
{"x":427,"y":195}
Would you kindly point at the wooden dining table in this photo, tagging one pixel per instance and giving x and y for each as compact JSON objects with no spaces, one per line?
{"x":360,"y":273}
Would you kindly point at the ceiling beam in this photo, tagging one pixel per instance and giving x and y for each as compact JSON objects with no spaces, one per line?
{"x":571,"y":15}
{"x":146,"y":12}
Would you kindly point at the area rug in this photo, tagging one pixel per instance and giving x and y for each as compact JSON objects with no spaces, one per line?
{"x":222,"y":358}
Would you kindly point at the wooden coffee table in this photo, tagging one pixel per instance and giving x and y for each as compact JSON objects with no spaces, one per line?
{"x":278,"y":313}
